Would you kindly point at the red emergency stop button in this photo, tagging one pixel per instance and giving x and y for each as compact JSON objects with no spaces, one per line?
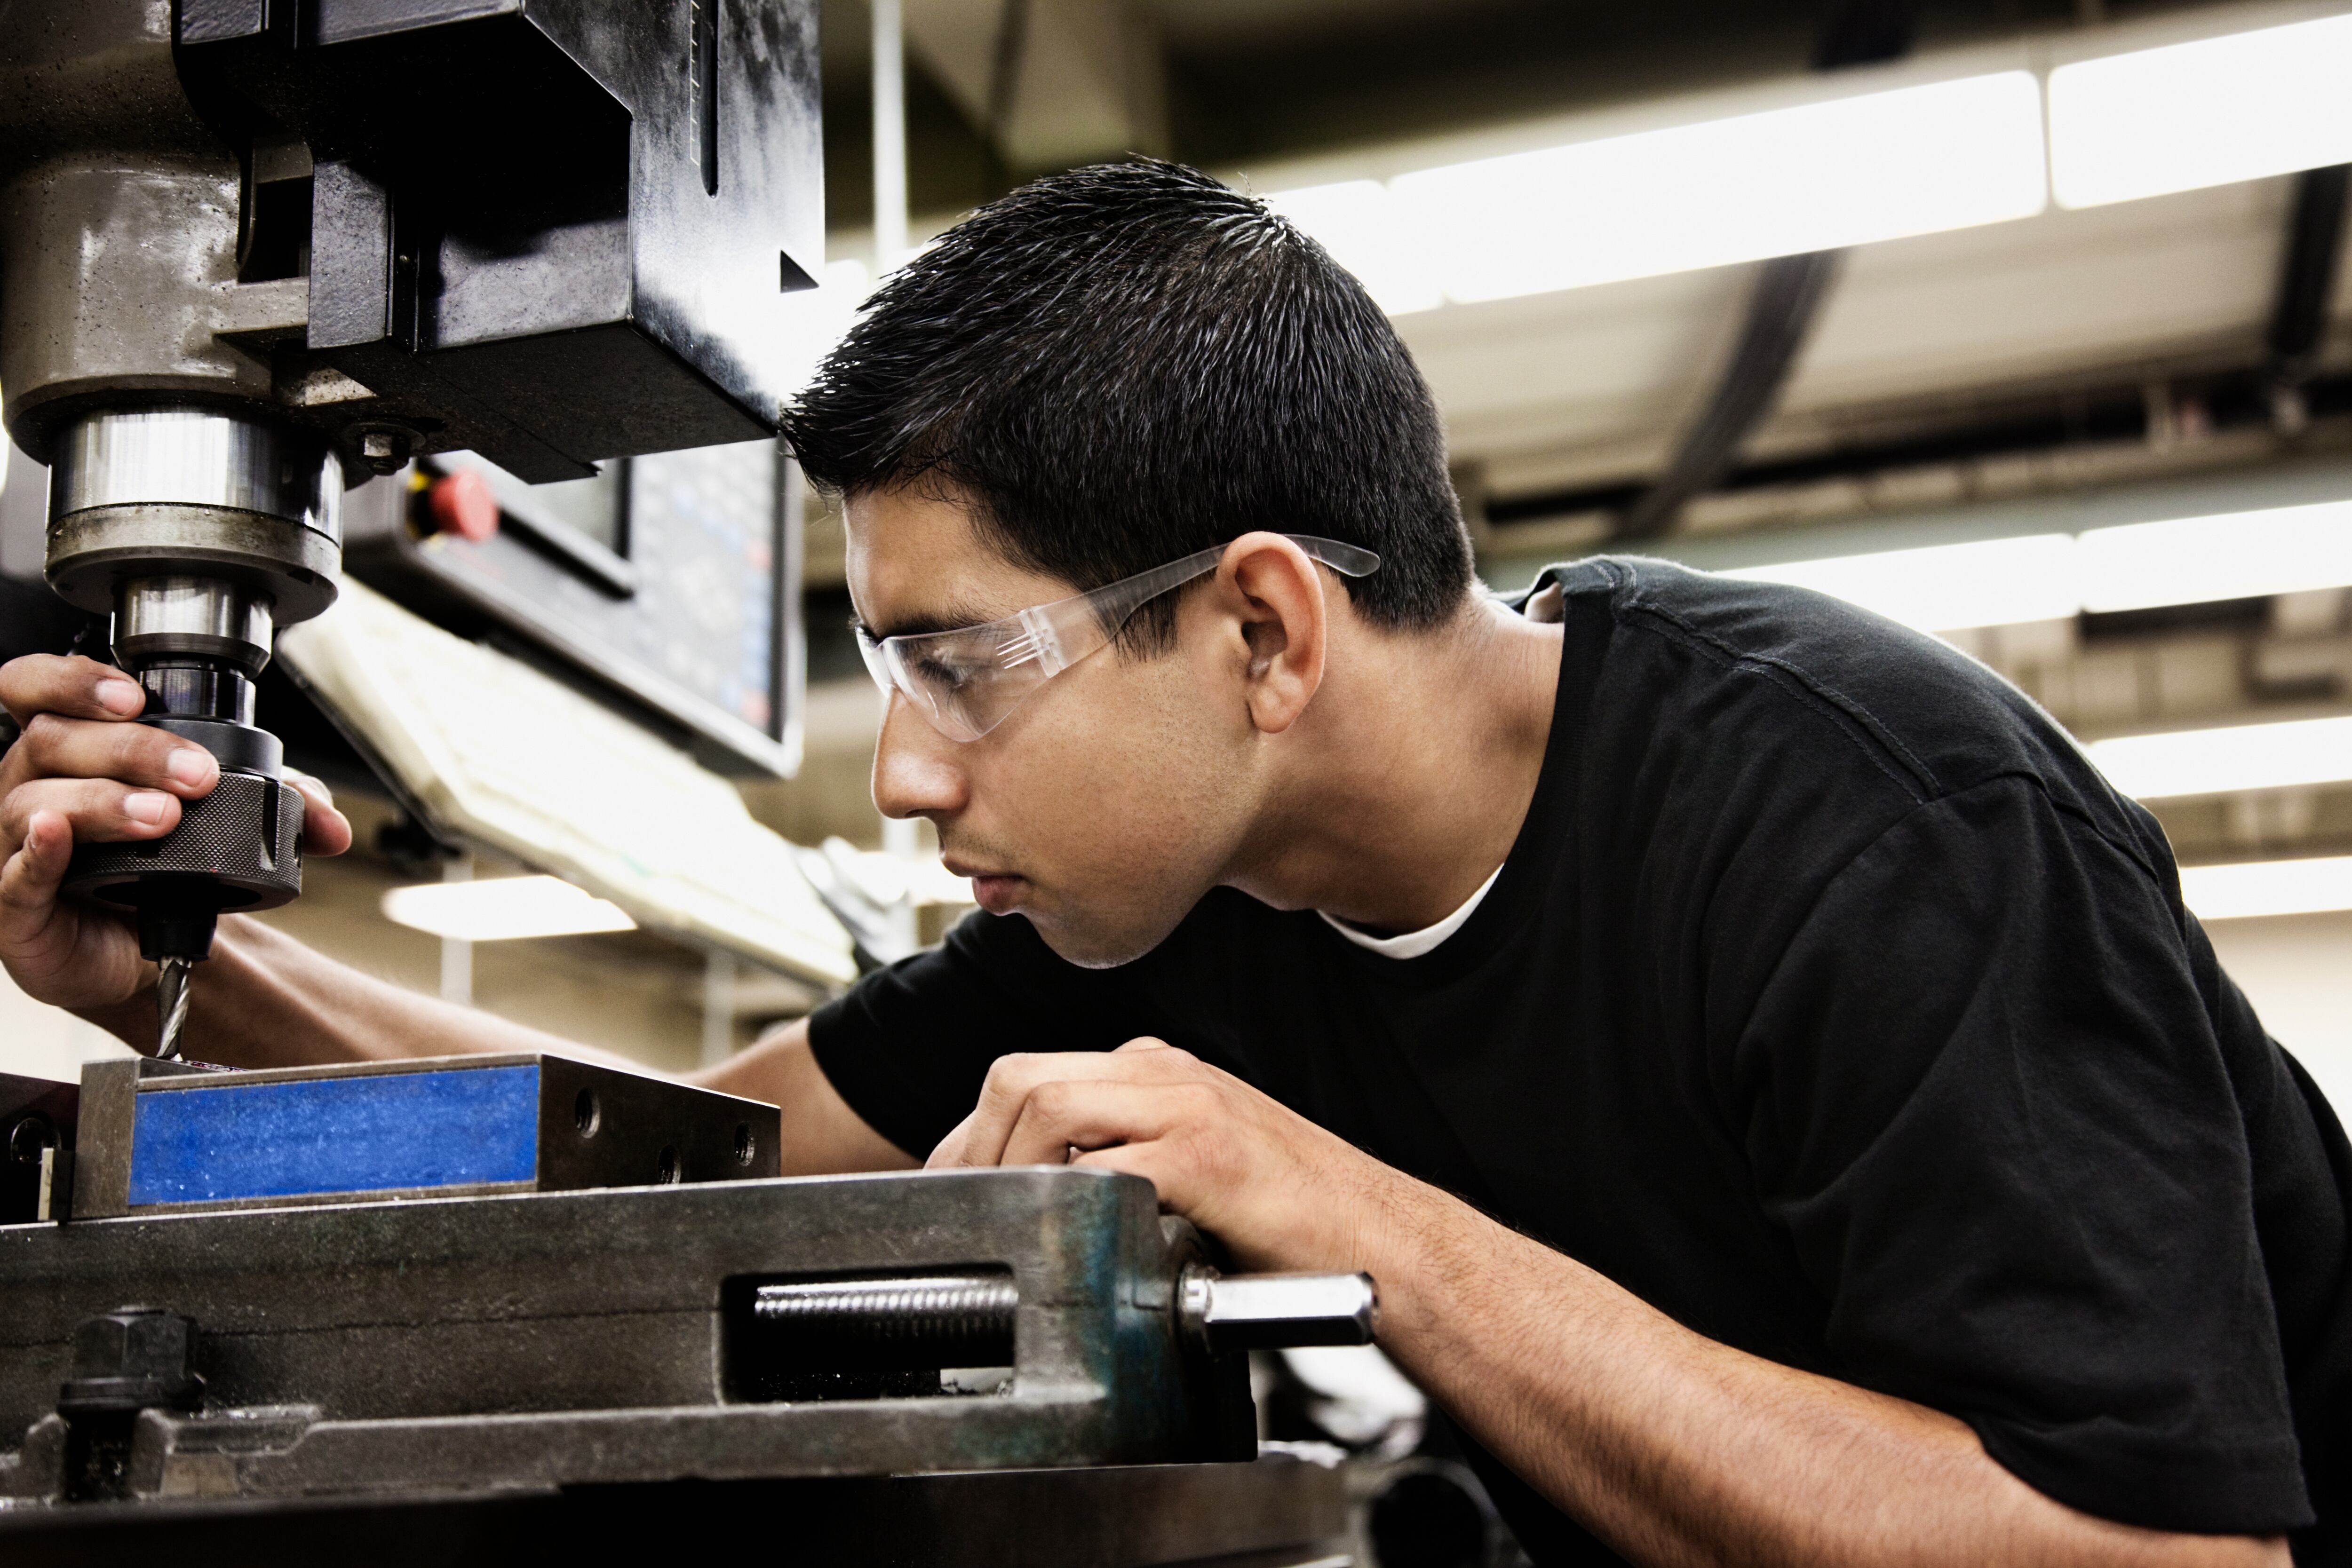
{"x":460,"y":503}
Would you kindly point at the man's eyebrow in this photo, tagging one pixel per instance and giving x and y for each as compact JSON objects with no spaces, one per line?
{"x":949,"y":617}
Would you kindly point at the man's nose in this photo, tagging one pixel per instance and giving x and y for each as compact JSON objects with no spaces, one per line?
{"x":916,"y":772}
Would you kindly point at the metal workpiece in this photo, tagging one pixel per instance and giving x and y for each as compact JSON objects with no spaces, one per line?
{"x":1269,"y":1311}
{"x":177,"y":1139}
{"x":560,"y":1338}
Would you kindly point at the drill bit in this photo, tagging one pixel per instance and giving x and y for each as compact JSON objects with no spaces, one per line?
{"x":171,"y":1005}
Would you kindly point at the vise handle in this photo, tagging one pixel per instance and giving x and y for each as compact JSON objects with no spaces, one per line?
{"x":1276,"y":1312}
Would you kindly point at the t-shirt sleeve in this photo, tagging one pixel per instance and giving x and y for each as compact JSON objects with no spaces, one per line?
{"x":908,"y":1046}
{"x":1984,"y":1096}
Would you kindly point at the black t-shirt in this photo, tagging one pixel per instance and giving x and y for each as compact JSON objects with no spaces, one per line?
{"x":1832,"y":1004}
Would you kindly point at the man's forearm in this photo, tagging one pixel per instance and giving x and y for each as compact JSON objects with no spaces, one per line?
{"x":264,"y":1000}
{"x":1680,"y":1450}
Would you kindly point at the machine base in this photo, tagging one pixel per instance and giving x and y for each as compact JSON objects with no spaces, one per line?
{"x":1278,"y":1513}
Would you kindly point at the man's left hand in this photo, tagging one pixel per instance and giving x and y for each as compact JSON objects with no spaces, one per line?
{"x":1279,"y":1191}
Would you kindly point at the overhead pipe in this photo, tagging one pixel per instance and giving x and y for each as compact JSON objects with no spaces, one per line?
{"x":1781,"y":310}
{"x":2315,"y":250}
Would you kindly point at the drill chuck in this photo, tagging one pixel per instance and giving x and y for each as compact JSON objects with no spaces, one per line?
{"x":202,"y":531}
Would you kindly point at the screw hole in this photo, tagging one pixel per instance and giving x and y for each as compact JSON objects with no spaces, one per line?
{"x":669,"y":1172}
{"x":746,"y":1146}
{"x":586,"y":1114}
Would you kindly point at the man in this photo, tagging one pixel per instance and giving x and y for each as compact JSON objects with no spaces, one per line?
{"x":1772,"y":1077}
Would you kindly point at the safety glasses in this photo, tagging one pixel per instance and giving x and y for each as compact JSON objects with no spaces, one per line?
{"x":966,"y":681}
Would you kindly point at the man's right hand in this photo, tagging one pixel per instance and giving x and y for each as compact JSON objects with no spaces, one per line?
{"x":82,"y":772}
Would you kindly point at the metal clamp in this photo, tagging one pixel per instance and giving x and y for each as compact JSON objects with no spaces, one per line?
{"x":1274,"y":1311}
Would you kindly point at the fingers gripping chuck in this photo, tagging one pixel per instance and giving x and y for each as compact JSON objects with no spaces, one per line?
{"x":237,"y":848}
{"x":202,"y":532}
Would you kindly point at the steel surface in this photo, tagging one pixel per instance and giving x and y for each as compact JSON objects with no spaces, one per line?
{"x":556,"y":1338}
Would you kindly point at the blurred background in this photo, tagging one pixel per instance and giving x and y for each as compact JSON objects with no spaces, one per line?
{"x":2022,"y":321}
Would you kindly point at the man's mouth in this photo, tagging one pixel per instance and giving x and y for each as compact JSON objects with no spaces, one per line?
{"x":997,"y":892}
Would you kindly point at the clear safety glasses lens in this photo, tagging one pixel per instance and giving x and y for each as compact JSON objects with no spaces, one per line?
{"x":961,"y":681}
{"x":965,"y":682}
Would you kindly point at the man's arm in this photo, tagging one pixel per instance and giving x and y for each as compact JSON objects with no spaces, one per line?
{"x":1673,"y":1448}
{"x":822,"y":1134}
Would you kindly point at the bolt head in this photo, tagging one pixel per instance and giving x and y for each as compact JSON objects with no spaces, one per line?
{"x":382,"y":451}
{"x":130,"y":1358}
{"x":131,"y":1342}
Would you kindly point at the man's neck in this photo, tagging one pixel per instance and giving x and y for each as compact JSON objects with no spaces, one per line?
{"x":1422,"y":759}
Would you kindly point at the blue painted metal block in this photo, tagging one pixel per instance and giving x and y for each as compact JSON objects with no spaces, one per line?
{"x":374,"y":1132}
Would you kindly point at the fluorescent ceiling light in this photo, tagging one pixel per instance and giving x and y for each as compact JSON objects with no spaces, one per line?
{"x":2240,"y":555}
{"x":2221,"y":761}
{"x":1908,"y":161}
{"x":2267,"y":887}
{"x":1943,"y":587}
{"x":1911,"y":161}
{"x":2206,"y":114}
{"x":502,"y":908}
{"x":2054,"y":576}
{"x":1358,"y":221}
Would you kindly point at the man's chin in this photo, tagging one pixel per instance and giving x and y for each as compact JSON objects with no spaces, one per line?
{"x":1093,"y":944}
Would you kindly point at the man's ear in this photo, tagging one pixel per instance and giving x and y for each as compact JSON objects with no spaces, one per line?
{"x":1278,"y":593}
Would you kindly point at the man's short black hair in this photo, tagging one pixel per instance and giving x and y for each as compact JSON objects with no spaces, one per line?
{"x":1127,"y":364}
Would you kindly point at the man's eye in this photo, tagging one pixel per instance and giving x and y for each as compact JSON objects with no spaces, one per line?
{"x":948,"y":673}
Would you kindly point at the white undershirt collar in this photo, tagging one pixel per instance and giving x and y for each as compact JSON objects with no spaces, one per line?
{"x":1414,"y":944}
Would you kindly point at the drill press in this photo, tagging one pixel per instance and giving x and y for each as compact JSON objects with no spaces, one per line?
{"x":198,"y":530}
{"x":249,"y":247}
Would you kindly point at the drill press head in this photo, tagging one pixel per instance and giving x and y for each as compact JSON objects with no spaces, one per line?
{"x":243,"y":245}
{"x":199,"y":531}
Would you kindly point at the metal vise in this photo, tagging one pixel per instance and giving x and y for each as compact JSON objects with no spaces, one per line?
{"x":390,"y":1340}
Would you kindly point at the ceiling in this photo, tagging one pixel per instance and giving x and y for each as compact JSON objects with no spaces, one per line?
{"x":2137,"y":326}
